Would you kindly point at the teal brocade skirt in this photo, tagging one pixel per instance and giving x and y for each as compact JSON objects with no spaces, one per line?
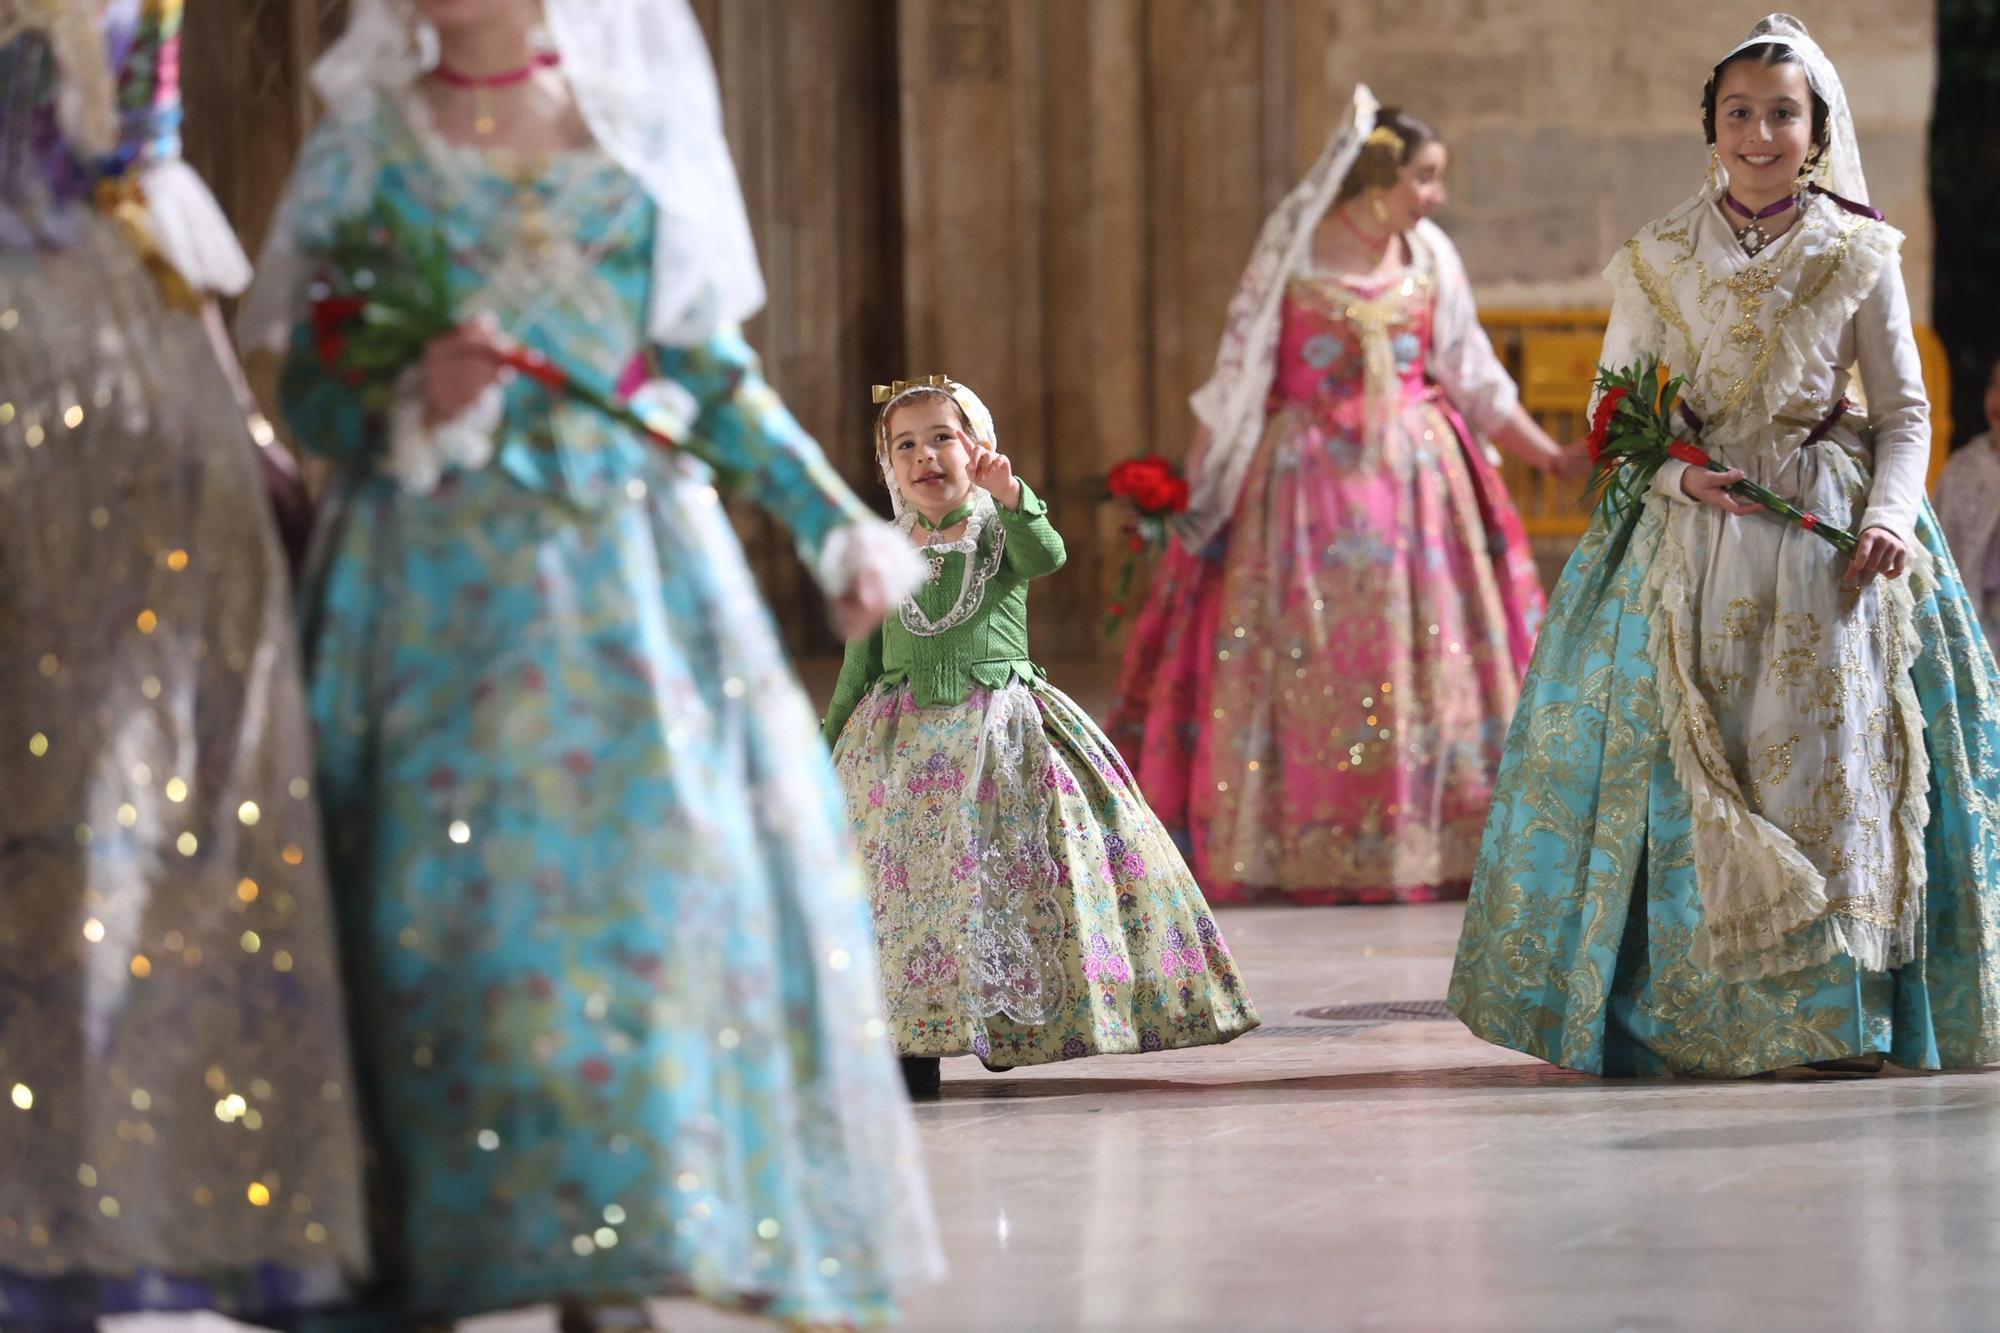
{"x":1584,"y":903}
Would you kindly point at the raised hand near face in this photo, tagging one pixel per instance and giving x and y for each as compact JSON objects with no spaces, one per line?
{"x":993,"y":473}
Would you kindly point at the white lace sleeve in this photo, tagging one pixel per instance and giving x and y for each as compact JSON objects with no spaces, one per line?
{"x":418,"y":455}
{"x":1892,"y":375}
{"x":1462,"y":358}
{"x":869,"y":545}
{"x":1635,"y":330}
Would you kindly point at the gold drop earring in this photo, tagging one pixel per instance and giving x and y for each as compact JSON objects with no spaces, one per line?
{"x":1714,"y":170}
{"x":1807,"y":170}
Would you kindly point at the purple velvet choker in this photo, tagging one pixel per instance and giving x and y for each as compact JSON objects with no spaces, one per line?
{"x":1729,"y":201}
{"x":1751,"y":236}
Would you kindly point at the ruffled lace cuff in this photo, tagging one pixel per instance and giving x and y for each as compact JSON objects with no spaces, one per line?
{"x":868,"y":546}
{"x":419,"y":454}
{"x":190,"y":230}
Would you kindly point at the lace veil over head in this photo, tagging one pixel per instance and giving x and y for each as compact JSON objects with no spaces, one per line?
{"x":644,"y":83}
{"x":976,"y":413}
{"x":1842,"y":167}
{"x":1231,"y":404}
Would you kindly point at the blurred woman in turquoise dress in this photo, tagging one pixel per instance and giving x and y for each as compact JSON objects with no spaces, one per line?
{"x":613,"y":977}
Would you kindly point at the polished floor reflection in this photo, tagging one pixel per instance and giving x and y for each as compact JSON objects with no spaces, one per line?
{"x":1387,"y":1170}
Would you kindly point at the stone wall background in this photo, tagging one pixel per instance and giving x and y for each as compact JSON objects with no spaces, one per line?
{"x":1053,"y":199}
{"x":1574,"y":122}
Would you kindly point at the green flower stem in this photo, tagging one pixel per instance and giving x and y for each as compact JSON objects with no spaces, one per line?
{"x":1121,"y":596}
{"x":1842,"y":540}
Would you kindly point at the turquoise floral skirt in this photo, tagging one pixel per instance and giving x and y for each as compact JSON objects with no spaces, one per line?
{"x":1576,"y":945}
{"x":609,"y":948}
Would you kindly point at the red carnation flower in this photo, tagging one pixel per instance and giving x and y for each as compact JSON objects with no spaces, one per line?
{"x":1600,"y":421}
{"x":334,"y":312}
{"x":331,"y":345}
{"x":1149,"y":483}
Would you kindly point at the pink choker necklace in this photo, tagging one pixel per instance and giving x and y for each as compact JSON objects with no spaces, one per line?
{"x":479,"y":85}
{"x":504,"y":79}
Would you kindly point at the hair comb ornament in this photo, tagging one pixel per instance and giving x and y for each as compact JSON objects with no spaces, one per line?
{"x":1382,"y":137}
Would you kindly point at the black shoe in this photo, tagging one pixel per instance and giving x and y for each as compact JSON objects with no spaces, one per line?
{"x":922,"y":1076}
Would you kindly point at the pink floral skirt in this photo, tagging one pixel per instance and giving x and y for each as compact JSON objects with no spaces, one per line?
{"x":1315,"y":705}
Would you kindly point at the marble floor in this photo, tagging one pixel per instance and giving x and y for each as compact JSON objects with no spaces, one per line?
{"x":1329,"y":1172}
{"x":1392,"y":1172}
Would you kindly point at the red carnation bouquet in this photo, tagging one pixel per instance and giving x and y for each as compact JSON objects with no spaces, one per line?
{"x":384,"y":290}
{"x":1153,"y":490}
{"x":1633,"y":432}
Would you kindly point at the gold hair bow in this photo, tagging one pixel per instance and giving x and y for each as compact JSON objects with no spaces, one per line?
{"x":896,"y":388}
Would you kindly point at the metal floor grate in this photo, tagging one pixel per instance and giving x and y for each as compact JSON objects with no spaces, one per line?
{"x":1383,"y":1011}
{"x":1310,"y":1031}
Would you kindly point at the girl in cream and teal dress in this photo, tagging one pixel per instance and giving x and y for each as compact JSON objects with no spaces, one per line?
{"x":1749,"y":813}
{"x":1028,"y":906}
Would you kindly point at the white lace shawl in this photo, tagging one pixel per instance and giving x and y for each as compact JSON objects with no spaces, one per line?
{"x":1760,"y":341}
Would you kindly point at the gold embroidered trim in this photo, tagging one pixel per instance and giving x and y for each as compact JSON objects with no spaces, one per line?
{"x":1830,"y":262}
{"x":1655,"y":288}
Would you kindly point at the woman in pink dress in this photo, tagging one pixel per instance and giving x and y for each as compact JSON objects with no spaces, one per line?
{"x":1316,"y":693}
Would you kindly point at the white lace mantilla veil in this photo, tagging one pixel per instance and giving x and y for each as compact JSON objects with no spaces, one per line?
{"x":646,"y":87}
{"x":1842,"y":168}
{"x":1231,"y":404}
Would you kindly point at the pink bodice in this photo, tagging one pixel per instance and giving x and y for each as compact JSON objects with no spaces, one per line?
{"x":1339,"y":343}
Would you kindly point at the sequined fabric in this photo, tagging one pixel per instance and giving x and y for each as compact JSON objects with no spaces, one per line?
{"x":174,"y":1079}
{"x":610,"y":947}
{"x":1315,"y":703}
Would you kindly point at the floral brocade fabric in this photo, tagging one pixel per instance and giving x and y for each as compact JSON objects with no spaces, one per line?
{"x":1315,"y":703}
{"x":610,"y":950}
{"x":1028,"y":906}
{"x":1577,"y":944}
{"x":1749,"y":816}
